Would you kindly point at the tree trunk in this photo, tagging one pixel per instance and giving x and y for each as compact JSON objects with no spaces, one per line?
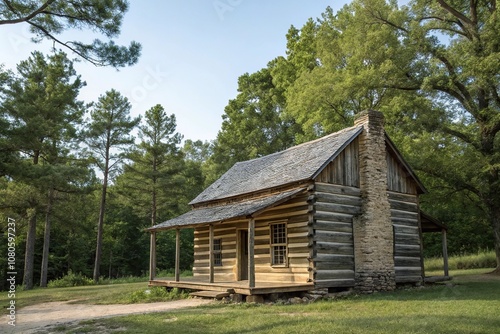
{"x":29,"y":256}
{"x":495,"y":222}
{"x":46,"y":241}
{"x":100,"y":227}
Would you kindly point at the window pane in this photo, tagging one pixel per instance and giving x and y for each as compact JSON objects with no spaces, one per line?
{"x":279,"y":254}
{"x":279,"y":234}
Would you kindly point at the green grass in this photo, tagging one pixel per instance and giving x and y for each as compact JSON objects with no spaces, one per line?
{"x":481,"y":259}
{"x":469,"y":304}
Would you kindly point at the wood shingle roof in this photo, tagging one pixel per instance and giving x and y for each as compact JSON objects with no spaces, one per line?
{"x":298,"y":163}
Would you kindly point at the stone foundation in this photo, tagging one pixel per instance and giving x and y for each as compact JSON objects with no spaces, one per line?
{"x":372,"y":281}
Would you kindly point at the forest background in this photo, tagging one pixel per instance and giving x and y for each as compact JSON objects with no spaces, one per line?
{"x":83,"y":181}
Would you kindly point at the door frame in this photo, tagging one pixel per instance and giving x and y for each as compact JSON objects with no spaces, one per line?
{"x":242,"y":254}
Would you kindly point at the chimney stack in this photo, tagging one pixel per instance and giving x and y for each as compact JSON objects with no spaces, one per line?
{"x":373,"y":231}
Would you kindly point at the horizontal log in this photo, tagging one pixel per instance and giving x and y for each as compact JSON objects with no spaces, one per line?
{"x":402,"y":197}
{"x":321,"y":187}
{"x":406,"y":261}
{"x":333,"y":283}
{"x":338,"y":198}
{"x":336,"y":262}
{"x":406,"y":229}
{"x":408,"y":271}
{"x":404,"y":214}
{"x":338,"y":208}
{"x":407,"y":250}
{"x":404,"y":206}
{"x":323,"y":225}
{"x":341,"y":258}
{"x":404,"y":221}
{"x":330,"y":248}
{"x":334,"y":274}
{"x":406,"y":239}
{"x":328,"y":236}
{"x":333,"y":216}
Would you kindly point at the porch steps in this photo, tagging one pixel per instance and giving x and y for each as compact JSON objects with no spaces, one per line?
{"x":210,"y":294}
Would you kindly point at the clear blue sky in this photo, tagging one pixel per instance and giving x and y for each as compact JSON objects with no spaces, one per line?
{"x":193,"y":53}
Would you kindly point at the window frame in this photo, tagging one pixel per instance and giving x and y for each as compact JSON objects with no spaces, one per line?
{"x":273,"y":245}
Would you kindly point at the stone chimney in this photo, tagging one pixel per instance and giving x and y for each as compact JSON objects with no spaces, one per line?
{"x":372,"y":229}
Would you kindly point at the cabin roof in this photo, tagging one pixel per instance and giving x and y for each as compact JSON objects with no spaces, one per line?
{"x":298,"y":163}
{"x":240,"y":209}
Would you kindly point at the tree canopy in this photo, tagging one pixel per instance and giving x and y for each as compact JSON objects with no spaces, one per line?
{"x":48,"y":19}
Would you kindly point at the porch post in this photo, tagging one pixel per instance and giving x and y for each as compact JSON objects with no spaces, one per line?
{"x":251,"y":260}
{"x":210,"y":253}
{"x":177,"y":253}
{"x":152,"y":256}
{"x":445,"y":252}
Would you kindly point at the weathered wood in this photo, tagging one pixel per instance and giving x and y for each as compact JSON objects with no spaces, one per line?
{"x":177,"y":254}
{"x":329,"y":248}
{"x":333,"y":283}
{"x":338,"y":199}
{"x":404,"y":214}
{"x":322,"y":225}
{"x":337,"y":208}
{"x":152,"y":256}
{"x":251,"y":255}
{"x":406,"y":261}
{"x":333,"y":216}
{"x":407,"y":250}
{"x":336,"y":189}
{"x":210,"y":294}
{"x":211,"y":253}
{"x":402,"y":197}
{"x":408,"y":239}
{"x":334,"y":274}
{"x":405,"y":229}
{"x":403,"y":206}
{"x":329,"y":236}
{"x":408,"y":271}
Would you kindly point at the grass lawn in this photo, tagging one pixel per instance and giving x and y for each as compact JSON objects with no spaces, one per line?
{"x":469,"y":304}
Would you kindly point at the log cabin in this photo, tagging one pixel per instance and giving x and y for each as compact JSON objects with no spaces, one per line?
{"x":341,"y":211}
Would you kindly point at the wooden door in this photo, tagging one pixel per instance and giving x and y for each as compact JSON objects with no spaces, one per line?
{"x":242,"y":255}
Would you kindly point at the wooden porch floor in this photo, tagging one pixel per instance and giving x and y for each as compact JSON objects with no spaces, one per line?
{"x":240,"y":287}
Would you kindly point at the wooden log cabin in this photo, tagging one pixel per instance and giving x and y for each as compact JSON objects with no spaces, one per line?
{"x":341,"y":211}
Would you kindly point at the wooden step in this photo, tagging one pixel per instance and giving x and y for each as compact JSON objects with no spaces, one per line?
{"x":210,"y":294}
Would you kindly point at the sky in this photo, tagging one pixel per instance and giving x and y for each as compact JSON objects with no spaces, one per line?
{"x":192,"y":54}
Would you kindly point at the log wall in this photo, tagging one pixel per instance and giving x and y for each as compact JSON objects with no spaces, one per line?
{"x":333,"y":255}
{"x":293,"y":212}
{"x":407,"y":242}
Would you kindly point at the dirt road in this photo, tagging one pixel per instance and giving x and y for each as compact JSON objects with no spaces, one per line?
{"x":37,"y":318}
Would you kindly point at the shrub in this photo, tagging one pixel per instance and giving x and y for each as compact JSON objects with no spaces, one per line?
{"x":70,"y":279}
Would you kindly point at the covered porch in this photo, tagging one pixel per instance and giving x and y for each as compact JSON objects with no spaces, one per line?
{"x":430,"y":224}
{"x":210,"y":218}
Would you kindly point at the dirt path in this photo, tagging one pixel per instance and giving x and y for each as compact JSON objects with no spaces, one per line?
{"x":35,"y":318}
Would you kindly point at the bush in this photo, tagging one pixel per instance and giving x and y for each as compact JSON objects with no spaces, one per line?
{"x":70,"y":279}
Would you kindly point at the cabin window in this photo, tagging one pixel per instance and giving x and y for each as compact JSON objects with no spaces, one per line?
{"x":217,"y":252}
{"x":278,"y":244}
